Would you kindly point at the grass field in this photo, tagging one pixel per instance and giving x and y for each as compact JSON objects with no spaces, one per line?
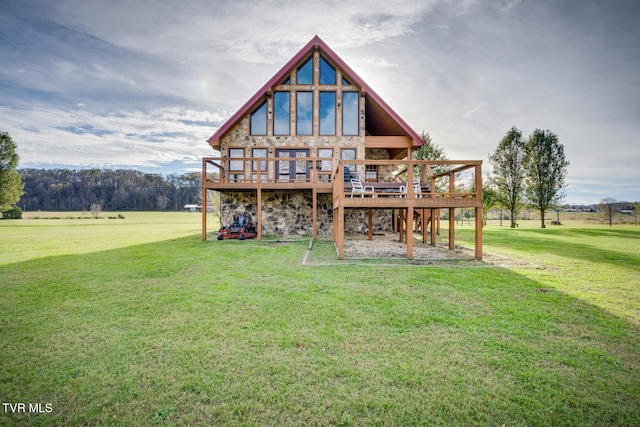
{"x":136,"y":321}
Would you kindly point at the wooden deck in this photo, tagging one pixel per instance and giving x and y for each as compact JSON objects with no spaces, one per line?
{"x":321,"y":175}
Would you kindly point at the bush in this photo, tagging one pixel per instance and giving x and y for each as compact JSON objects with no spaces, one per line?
{"x":13,"y":213}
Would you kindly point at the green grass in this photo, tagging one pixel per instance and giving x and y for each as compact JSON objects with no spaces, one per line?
{"x":138,"y":322}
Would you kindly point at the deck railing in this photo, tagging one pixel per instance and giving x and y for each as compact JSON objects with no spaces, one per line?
{"x":437,"y":177}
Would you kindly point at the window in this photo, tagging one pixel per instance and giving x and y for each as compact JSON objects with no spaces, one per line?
{"x":281,"y":113}
{"x":349,"y":154}
{"x":327,"y":113}
{"x":305,"y":73}
{"x":325,"y":165}
{"x":259,"y":165}
{"x":287,"y":81}
{"x":350,"y":109}
{"x":326,"y":153}
{"x":327,"y":73}
{"x":304,"y":114}
{"x":236,"y":165}
{"x":259,"y":120}
{"x":371,"y":173}
{"x":345,"y":81}
{"x":292,"y":170}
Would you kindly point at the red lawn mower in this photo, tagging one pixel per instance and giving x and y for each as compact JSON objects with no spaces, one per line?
{"x":242,"y":228}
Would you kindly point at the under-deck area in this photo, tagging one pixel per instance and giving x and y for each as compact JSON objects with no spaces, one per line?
{"x":432,"y":187}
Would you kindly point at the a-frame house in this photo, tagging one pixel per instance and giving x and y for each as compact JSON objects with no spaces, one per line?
{"x":292,"y":157}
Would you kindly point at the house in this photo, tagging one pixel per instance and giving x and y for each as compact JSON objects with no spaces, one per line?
{"x":288,"y":155}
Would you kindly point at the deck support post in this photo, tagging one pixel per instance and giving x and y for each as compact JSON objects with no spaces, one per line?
{"x":340,"y":231}
{"x":370,"y":224}
{"x":259,"y":219}
{"x":452,"y":212}
{"x":433,"y":227}
{"x":478,"y":234}
{"x":452,"y":225}
{"x":410,"y":232}
{"x":314,"y":201}
{"x":204,"y":200}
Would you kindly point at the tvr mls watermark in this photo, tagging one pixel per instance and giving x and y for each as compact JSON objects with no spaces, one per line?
{"x":30,"y":408}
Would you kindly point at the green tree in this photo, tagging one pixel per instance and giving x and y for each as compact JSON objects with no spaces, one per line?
{"x":545,"y":171}
{"x":489,"y":199}
{"x":429,"y":151}
{"x":11,"y":185}
{"x":508,"y":170}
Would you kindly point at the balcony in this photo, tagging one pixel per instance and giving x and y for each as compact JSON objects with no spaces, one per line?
{"x":389,"y":178}
{"x":437,"y":178}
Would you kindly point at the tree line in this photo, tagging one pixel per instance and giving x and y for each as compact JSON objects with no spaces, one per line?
{"x":122,"y":189}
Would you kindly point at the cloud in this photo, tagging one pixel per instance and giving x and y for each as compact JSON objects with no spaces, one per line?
{"x":144,"y":83}
{"x":124,"y":138}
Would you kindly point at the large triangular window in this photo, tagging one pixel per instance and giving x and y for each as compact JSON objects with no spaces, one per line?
{"x":327,"y":73}
{"x":259,"y":120}
{"x":305,"y":73}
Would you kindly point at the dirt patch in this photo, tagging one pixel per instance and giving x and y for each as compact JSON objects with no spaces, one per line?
{"x":387,"y":247}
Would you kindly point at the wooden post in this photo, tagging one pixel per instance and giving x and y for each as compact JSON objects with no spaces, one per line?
{"x":259,"y":219}
{"x":370,"y":224}
{"x":423,"y":223}
{"x":478,"y":235}
{"x":433,"y":227}
{"x":204,"y":200}
{"x":314,"y":200}
{"x":452,"y":212}
{"x":410,"y":232}
{"x":340,"y":243}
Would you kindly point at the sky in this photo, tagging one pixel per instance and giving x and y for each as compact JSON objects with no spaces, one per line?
{"x":142,"y":84}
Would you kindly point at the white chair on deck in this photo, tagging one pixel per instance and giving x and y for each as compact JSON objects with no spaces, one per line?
{"x":358,"y":189}
{"x":417,"y":190}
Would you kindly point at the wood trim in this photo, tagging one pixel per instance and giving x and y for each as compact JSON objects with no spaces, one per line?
{"x":387,"y":142}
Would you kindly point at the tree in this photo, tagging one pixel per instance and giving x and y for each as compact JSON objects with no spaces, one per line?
{"x":489,"y":199}
{"x":608,"y":209}
{"x":429,"y":151}
{"x":11,"y":186}
{"x":545,"y":170}
{"x":508,"y":169}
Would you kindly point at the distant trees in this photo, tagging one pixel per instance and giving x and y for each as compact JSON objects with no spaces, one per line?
{"x":545,"y":169}
{"x":508,"y":169}
{"x":78,"y":190}
{"x":531,"y":172}
{"x":10,"y":183}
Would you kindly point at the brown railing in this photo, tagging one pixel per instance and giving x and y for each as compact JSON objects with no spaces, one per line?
{"x":437,"y":178}
{"x":271,"y":170}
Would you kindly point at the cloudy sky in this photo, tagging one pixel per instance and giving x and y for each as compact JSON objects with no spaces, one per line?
{"x":142,"y":83}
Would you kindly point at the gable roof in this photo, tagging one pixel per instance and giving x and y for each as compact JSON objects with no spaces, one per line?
{"x":389,"y":123}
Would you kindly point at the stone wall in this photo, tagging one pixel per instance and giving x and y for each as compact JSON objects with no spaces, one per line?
{"x":290,"y":213}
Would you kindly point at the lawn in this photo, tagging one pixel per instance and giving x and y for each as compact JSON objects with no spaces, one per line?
{"x":136,"y":321}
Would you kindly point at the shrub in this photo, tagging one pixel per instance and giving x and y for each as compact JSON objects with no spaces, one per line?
{"x":13,"y":213}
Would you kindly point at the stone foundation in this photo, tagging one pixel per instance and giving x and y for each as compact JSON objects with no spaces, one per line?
{"x":290,"y":213}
